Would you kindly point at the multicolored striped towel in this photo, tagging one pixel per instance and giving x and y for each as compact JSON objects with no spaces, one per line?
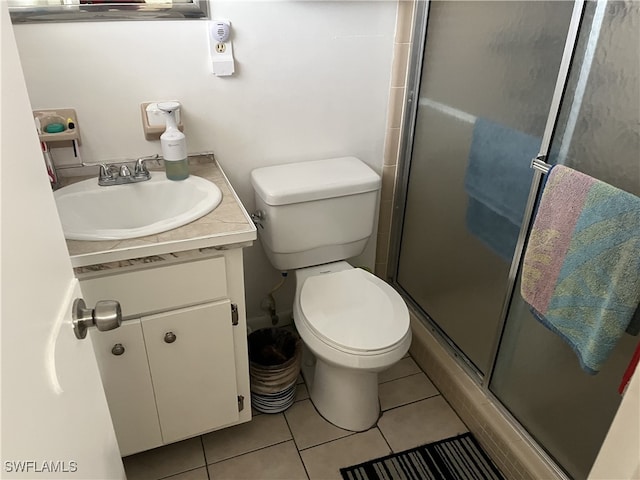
{"x":581,"y":270}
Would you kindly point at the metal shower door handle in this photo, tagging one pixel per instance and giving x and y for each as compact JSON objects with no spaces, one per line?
{"x":107,"y":315}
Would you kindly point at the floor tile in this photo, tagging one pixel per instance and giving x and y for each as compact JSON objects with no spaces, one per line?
{"x":302,"y":392}
{"x":405,"y":367}
{"x":197,"y":474}
{"x":405,"y":390}
{"x":262,"y":431}
{"x":324,"y":461}
{"x":308,"y":427}
{"x":419,"y":423}
{"x":279,"y":462}
{"x":165,"y":461}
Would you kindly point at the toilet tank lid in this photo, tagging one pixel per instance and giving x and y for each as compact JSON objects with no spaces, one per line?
{"x":314,"y":180}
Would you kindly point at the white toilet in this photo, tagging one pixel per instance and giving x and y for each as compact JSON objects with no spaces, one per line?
{"x":312,"y":216}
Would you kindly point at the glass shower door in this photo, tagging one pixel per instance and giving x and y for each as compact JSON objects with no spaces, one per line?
{"x":488,"y":77}
{"x":537,"y":376}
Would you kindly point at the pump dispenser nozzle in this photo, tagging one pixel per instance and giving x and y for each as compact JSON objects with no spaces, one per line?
{"x":173,"y":143}
{"x":170,"y":108}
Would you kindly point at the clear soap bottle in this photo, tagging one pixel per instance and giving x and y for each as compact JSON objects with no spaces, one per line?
{"x":174,"y":144}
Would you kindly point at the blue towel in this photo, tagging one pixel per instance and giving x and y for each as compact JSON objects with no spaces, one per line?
{"x":581,"y":269}
{"x":497,"y":180}
{"x":494,"y":230}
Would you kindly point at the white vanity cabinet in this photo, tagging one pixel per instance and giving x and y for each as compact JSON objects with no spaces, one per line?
{"x":178,"y":365}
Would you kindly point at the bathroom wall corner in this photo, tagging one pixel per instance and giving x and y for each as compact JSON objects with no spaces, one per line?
{"x":384,"y":220}
{"x":395,"y":114}
{"x":507,"y":447}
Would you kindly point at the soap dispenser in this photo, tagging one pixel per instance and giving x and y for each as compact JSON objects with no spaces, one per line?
{"x":174,"y":144}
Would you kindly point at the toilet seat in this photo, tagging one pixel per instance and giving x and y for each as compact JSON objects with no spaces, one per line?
{"x":354,"y":311}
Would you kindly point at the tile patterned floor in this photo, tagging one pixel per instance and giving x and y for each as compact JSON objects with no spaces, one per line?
{"x":300,"y":444}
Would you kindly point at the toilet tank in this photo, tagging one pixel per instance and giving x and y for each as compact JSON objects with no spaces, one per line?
{"x":315,"y":212}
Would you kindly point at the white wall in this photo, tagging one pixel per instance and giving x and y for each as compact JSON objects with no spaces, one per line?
{"x":312,"y":81}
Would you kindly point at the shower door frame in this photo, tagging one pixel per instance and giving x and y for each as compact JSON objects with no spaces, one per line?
{"x":414,"y":75}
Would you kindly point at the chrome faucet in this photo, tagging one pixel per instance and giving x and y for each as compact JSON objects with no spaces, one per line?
{"x":124,"y":171}
{"x":120,"y":173}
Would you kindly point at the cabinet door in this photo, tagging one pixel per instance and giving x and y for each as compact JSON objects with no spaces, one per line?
{"x":191,"y":358}
{"x":127,"y":385}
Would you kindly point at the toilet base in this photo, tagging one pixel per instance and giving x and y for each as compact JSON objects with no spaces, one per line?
{"x":345,"y":397}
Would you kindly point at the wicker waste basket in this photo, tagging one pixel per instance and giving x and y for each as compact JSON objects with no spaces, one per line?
{"x":275,"y":356}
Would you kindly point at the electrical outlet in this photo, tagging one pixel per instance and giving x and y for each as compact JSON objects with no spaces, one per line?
{"x":221,"y":48}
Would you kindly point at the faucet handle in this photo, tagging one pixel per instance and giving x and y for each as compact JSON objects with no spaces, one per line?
{"x":140,"y":170}
{"x":105,"y":172}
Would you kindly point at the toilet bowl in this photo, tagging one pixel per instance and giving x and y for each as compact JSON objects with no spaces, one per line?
{"x":353,"y":325}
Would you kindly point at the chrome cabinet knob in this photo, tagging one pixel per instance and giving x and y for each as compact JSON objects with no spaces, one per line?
{"x":170,"y":337}
{"x":118,"y":349}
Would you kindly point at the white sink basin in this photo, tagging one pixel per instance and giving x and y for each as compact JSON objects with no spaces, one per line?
{"x":91,"y":212}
